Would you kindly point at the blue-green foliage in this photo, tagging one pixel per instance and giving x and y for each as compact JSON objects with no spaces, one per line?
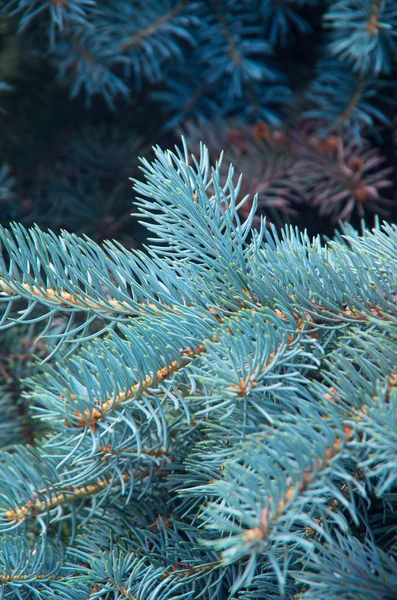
{"x":59,"y":13}
{"x":217,"y":57}
{"x":349,"y":99}
{"x":364,"y":34}
{"x":290,"y":75}
{"x":282,"y":18}
{"x":362,"y":37}
{"x":112,"y":48}
{"x":217,"y":413}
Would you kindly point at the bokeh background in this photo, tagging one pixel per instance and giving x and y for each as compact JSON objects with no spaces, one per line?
{"x":300,"y":95}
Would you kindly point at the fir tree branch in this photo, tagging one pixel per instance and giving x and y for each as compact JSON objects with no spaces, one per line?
{"x":92,"y":415}
{"x":91,"y":418}
{"x":373,"y":24}
{"x":354,"y":100}
{"x":63,"y":298}
{"x":258,"y":534}
{"x":145,"y":32}
{"x":305,"y":324}
{"x":4,"y":579}
{"x":35,"y":508}
{"x":363,"y":34}
{"x":233,"y":49}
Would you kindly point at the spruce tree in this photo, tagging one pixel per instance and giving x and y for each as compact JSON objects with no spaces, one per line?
{"x":216,"y":412}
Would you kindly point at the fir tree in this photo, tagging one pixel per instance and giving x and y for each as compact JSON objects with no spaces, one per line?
{"x":285,"y":66}
{"x":217,"y":412}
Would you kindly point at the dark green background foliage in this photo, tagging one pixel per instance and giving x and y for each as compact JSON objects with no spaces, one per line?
{"x":213,"y":416}
{"x":301,"y":94}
